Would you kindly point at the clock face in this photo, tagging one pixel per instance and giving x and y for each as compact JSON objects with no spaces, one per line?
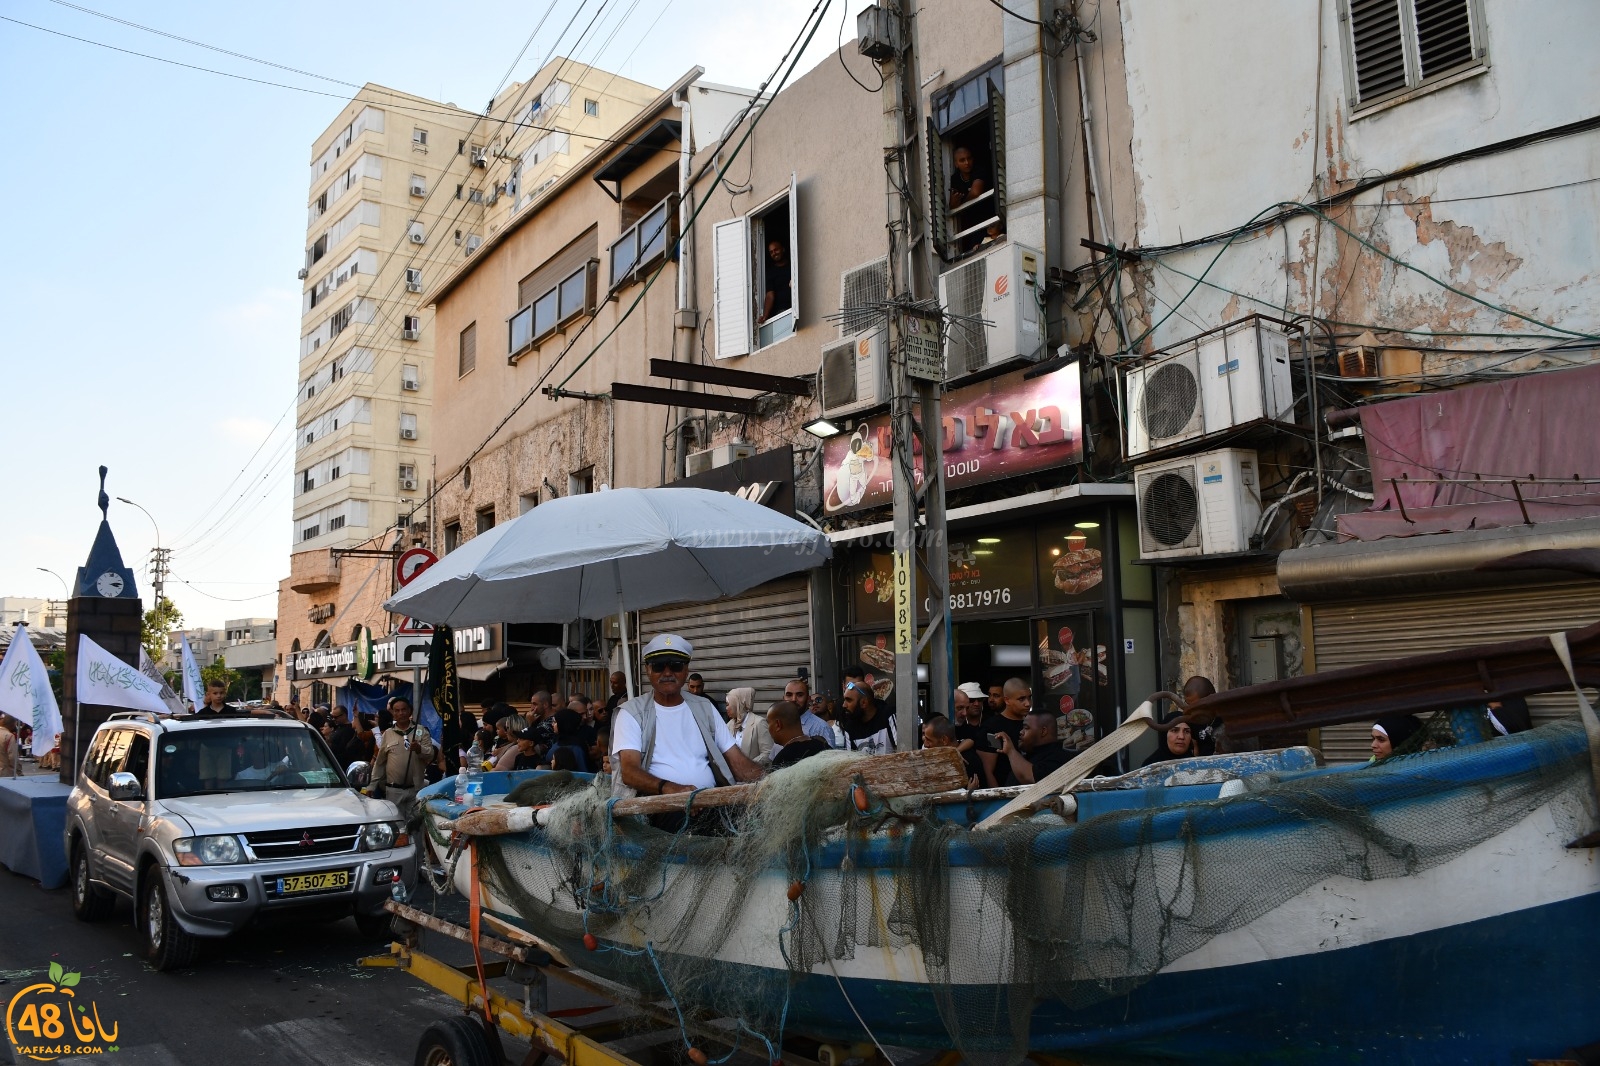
{"x":109,"y":584}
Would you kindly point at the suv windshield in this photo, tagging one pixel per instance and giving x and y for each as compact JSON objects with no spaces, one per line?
{"x":241,"y":759}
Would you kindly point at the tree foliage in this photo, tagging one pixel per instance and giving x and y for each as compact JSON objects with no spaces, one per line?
{"x":159,"y":621}
{"x":220,"y":671}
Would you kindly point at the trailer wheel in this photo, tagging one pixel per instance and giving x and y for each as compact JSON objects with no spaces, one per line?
{"x":459,"y":1041}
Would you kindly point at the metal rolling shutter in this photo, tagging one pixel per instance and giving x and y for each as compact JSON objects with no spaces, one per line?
{"x":1354,"y":633}
{"x":757,"y":639}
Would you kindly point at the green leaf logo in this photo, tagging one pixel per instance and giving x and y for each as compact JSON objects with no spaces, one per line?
{"x":70,"y":979}
{"x":55,"y":973}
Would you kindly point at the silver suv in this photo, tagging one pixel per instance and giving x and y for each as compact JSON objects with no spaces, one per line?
{"x":210,"y":822}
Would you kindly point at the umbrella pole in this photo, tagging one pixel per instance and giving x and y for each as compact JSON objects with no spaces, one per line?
{"x":622,"y":620}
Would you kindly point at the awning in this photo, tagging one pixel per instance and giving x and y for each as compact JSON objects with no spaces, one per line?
{"x":1425,"y":563}
{"x":480,"y":671}
{"x":1011,"y":506}
{"x":666,"y":131}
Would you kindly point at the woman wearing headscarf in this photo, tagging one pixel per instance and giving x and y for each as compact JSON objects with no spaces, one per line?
{"x":1390,"y":733}
{"x":1178,"y":743}
{"x":755,"y":740}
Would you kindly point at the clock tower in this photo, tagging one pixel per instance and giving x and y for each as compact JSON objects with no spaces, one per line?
{"x":105,"y":607}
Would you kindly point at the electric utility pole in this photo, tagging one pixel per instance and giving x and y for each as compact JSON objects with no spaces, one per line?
{"x":159,"y":560}
{"x":887,"y":33}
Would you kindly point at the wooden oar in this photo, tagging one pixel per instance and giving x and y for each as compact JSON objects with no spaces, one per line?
{"x":1062,"y":778}
{"x":904,"y":773}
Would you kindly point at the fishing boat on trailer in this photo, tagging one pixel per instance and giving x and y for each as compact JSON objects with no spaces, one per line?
{"x":1438,"y":907}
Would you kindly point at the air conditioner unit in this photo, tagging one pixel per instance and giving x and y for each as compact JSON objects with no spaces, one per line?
{"x":413,"y":286}
{"x":408,"y":484}
{"x":418,"y":189}
{"x":1210,"y":384}
{"x":993,"y":301}
{"x":411,"y":384}
{"x":855,"y":374}
{"x":712,"y":458}
{"x":474,"y":242}
{"x":408,"y":434}
{"x":303,"y":273}
{"x":1206,"y":504}
{"x":860,"y":288}
{"x":410,"y":334}
{"x":418,"y":237}
{"x":480,"y":158}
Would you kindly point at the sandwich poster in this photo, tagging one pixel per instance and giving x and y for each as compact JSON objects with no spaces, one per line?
{"x":1004,"y":427}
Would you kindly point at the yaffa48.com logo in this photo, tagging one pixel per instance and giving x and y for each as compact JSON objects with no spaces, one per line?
{"x":48,"y":1020}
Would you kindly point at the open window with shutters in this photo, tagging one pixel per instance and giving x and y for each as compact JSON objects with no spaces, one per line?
{"x":757,"y":277}
{"x":967,"y":163}
{"x":1395,"y":47}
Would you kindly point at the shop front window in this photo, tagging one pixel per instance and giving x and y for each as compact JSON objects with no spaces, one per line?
{"x":991,"y":572}
{"x":1072,"y":562}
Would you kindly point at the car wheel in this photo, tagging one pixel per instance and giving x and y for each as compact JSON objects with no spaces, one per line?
{"x":166,"y":945}
{"x":374,"y":926}
{"x":459,"y":1042}
{"x":90,"y":902}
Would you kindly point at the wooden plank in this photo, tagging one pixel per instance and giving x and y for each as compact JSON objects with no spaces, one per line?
{"x":902,"y":773}
{"x":733,"y":379}
{"x":1081,"y":766}
{"x":455,"y":932}
{"x":525,"y":938}
{"x":739,"y":405}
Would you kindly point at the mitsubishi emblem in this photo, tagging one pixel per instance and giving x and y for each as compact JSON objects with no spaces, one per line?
{"x":306,"y":841}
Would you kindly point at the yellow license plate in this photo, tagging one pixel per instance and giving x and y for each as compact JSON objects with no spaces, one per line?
{"x":322,"y":882}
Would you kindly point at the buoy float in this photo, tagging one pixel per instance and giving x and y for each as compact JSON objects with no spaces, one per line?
{"x":697,"y":1056}
{"x":859,"y":794}
{"x":591,"y":942}
{"x":795,"y":888}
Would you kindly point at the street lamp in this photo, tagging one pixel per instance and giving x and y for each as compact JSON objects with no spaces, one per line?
{"x":59,"y":578}
{"x":158,"y":566}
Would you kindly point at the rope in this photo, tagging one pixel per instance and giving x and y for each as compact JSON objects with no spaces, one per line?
{"x":857,"y":1013}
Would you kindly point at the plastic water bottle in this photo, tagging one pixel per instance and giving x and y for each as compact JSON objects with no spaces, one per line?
{"x":474,"y":754}
{"x":474,"y":788}
{"x":461,"y":783}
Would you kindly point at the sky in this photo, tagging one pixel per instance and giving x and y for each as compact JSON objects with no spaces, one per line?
{"x":151,"y":305}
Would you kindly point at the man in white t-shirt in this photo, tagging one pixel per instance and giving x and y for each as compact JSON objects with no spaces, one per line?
{"x":668,"y":740}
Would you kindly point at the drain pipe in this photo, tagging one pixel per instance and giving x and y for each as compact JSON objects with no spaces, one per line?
{"x":687,"y":320}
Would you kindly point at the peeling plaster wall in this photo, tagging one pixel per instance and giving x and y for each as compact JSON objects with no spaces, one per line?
{"x":1220,"y":127}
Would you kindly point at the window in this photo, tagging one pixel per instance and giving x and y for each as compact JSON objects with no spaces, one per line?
{"x":412,"y":328}
{"x":467,"y":358}
{"x":591,"y":107}
{"x":408,"y":426}
{"x":966,"y":163}
{"x":521,"y":330}
{"x":1392,"y":46}
{"x":409,"y":381}
{"x":413,"y":279}
{"x":527,"y":502}
{"x":642,"y":243}
{"x":485,"y":518}
{"x":310,"y":532}
{"x":544,"y":315}
{"x":452,"y":536}
{"x":476,"y":196}
{"x":308,"y":481}
{"x":573,"y":295}
{"x":581,"y":481}
{"x":419,"y":138}
{"x":419,"y":185}
{"x":756,"y":283}
{"x":336,"y":522}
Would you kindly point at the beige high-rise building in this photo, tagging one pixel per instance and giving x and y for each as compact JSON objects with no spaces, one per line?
{"x":402,"y":189}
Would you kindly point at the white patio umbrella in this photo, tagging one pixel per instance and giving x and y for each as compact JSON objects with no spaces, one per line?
{"x":610,"y":552}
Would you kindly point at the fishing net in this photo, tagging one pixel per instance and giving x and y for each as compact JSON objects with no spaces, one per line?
{"x":748,"y":914}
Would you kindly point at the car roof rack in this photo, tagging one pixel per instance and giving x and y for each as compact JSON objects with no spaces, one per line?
{"x":137,"y":716}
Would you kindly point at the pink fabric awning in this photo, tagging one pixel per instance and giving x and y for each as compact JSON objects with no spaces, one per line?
{"x":1457,"y":460}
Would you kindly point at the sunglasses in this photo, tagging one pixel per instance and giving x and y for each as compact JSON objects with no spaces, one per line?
{"x":676,"y":666}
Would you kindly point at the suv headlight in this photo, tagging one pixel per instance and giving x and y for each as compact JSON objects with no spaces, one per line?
{"x":208,"y":851}
{"x":380,"y":836}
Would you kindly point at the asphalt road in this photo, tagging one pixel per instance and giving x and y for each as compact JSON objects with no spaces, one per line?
{"x":286,"y":995}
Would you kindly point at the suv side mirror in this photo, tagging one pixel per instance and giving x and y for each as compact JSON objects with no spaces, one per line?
{"x":359,"y":774}
{"x":124,"y":786}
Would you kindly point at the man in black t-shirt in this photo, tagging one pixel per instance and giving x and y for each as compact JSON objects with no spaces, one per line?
{"x":778,"y":297}
{"x":1017,"y":696}
{"x":867,"y":726}
{"x":789,"y":736}
{"x":1038,"y":753}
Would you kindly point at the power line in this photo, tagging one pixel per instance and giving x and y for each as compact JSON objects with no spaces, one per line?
{"x":797,"y":48}
{"x":202,"y":44}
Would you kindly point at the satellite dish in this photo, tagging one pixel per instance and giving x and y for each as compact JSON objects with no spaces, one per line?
{"x":550,"y":658}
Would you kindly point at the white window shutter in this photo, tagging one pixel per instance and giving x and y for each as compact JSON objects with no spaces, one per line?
{"x":794,"y":248}
{"x":730,"y":242}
